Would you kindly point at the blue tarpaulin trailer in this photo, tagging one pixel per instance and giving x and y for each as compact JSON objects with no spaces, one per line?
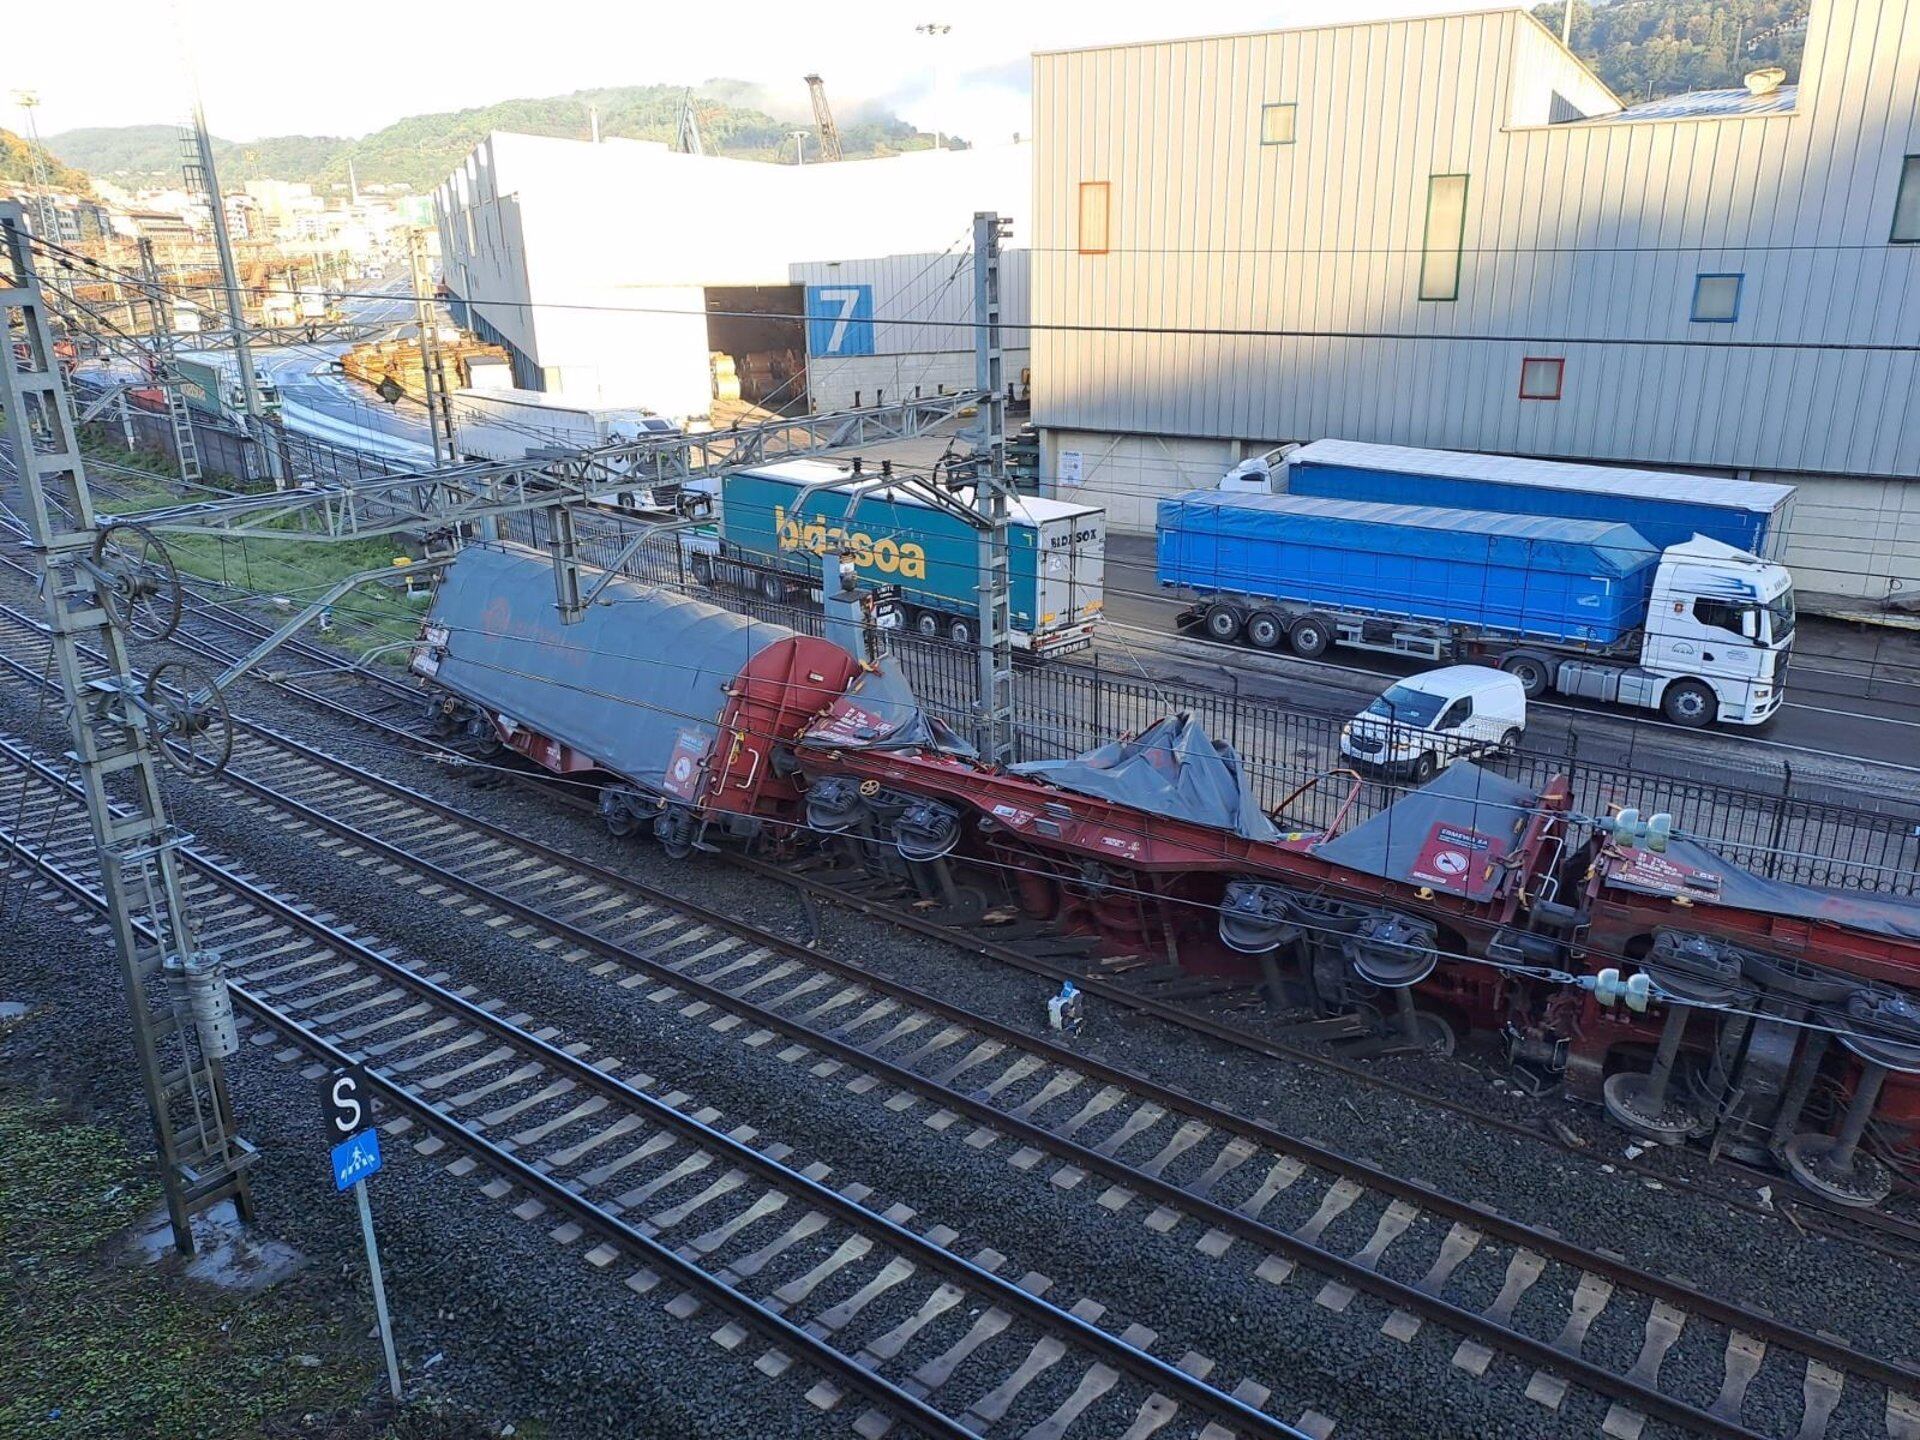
{"x":1581,"y":582}
{"x":1667,"y":509}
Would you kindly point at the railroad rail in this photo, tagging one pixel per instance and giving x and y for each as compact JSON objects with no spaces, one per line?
{"x":607,"y":1148}
{"x":859,"y":894}
{"x":1047,"y":1097}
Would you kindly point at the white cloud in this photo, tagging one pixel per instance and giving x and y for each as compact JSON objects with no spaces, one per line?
{"x":300,"y":69}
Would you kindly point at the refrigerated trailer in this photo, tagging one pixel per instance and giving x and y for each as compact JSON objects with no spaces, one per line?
{"x":764,"y":540}
{"x":1666,"y":507}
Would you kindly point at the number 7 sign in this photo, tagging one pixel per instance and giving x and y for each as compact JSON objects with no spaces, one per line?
{"x":839,"y":320}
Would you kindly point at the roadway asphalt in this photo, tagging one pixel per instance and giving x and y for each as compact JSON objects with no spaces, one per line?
{"x":1851,"y":723}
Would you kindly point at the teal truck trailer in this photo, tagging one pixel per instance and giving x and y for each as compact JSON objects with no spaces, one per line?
{"x":764,"y":540}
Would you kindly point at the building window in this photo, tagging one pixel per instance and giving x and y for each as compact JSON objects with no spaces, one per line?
{"x":1093,"y":217}
{"x":1276,"y":123}
{"x":1906,"y":203}
{"x":1445,"y":235}
{"x":1716,"y":298}
{"x":1540,"y":378}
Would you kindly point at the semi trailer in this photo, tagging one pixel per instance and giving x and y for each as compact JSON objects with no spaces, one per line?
{"x":764,"y":539}
{"x":1698,"y":630}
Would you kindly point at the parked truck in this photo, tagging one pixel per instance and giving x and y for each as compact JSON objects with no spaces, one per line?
{"x":210,"y":383}
{"x":504,"y":424}
{"x":1699,"y":630}
{"x":762,"y":540}
{"x":1666,"y":508}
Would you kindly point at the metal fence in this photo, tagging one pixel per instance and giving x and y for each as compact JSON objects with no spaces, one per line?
{"x":1063,"y":708}
{"x":227,"y":454}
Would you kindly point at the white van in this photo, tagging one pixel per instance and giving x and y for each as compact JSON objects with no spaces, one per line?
{"x":1424,"y":723}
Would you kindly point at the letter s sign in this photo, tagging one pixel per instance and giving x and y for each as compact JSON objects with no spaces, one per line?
{"x":347,"y":1096}
{"x":839,"y":320}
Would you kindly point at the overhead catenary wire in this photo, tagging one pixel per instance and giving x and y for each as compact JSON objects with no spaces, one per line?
{"x":1014,"y":327}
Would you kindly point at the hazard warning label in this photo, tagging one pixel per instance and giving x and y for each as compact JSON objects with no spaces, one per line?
{"x":683,"y":766}
{"x":1453,"y":858}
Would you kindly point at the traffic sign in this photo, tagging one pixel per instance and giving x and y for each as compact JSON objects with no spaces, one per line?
{"x":348,"y":1097}
{"x":355,"y":1159}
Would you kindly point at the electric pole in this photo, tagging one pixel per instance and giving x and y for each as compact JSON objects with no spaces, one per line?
{"x":166,"y":373}
{"x":45,"y":223}
{"x":435,"y":383}
{"x":993,"y":705}
{"x":97,"y":585}
{"x":199,"y":167}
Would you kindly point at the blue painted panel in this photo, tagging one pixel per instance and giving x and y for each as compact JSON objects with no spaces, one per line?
{"x":839,"y":320}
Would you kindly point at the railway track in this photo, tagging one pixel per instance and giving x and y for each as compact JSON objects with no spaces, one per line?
{"x":1896,"y":1237}
{"x":584,"y":1134}
{"x":1186,"y":1167}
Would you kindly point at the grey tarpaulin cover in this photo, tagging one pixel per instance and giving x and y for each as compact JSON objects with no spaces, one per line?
{"x":1677,"y":870}
{"x":881,"y":712}
{"x":636,"y":684}
{"x":1171,"y":768}
{"x":1448,"y":834}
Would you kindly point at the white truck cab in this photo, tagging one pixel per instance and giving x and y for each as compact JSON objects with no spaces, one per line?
{"x":1718,"y":630}
{"x":1422,"y":724}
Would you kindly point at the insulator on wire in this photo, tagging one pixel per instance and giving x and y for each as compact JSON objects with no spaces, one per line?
{"x":200,"y":984}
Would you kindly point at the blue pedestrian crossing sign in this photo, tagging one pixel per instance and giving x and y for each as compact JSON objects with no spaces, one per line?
{"x":355,"y":1159}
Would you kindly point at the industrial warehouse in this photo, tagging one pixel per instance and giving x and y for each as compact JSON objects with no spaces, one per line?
{"x":1166,"y":729}
{"x":1520,"y":264}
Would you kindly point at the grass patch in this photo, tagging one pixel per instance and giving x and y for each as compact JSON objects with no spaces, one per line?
{"x":375,"y":614}
{"x":90,"y":1352}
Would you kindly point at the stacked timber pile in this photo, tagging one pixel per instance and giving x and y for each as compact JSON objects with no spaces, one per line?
{"x":399,"y":360}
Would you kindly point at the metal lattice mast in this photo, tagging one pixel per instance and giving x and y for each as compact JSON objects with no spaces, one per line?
{"x":198,"y":168}
{"x":182,"y":1015}
{"x":166,"y":373}
{"x":823,"y":119}
{"x":993,"y":705}
{"x":438,"y":419}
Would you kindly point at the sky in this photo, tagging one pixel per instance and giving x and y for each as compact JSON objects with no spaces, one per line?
{"x":270,"y":68}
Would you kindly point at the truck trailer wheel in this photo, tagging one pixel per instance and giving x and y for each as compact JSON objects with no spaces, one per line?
{"x":927,"y":623}
{"x":960,"y":630}
{"x":1689,"y":703}
{"x":1265,"y":630}
{"x":1223,"y":623}
{"x":1532,"y":673}
{"x":1310,"y":636}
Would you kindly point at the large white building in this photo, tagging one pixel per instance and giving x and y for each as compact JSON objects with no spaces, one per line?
{"x":1447,"y":232}
{"x":901,"y":325}
{"x":617,"y":269}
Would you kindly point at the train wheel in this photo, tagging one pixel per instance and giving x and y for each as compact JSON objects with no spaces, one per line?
{"x":615,"y":813}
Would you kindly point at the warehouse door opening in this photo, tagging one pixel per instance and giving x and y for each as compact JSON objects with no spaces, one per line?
{"x":758,"y":337}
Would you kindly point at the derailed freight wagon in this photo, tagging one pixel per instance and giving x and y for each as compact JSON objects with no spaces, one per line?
{"x":1475,"y":901}
{"x":670,"y":704}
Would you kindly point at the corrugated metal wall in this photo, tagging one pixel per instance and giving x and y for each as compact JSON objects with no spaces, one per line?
{"x":1579,"y":240}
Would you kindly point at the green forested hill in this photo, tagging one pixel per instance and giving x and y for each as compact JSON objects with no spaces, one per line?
{"x":422,"y":149}
{"x":16,"y":164}
{"x":1645,"y":49}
